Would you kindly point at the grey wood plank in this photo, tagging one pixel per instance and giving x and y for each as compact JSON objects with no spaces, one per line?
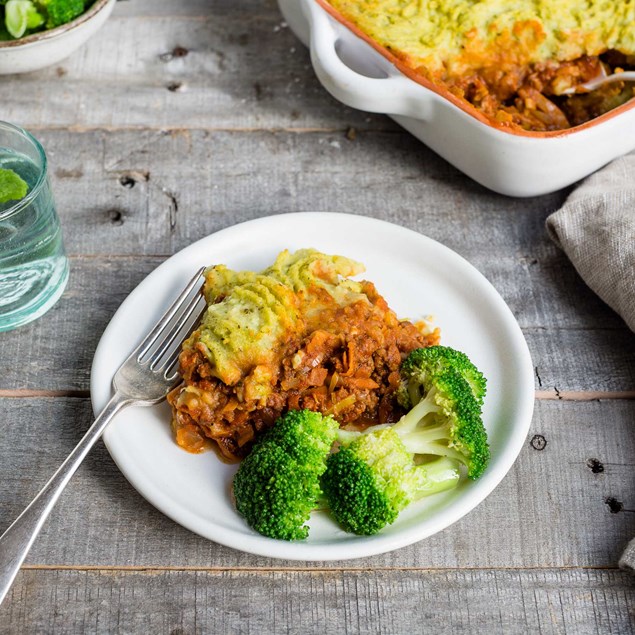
{"x":154,"y":192}
{"x":567,"y":502}
{"x":243,"y":69}
{"x":57,"y":350}
{"x":191,"y":8}
{"x":555,"y":601}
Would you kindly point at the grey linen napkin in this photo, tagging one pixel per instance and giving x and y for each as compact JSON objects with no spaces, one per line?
{"x":596,"y":229}
{"x":627,"y":561}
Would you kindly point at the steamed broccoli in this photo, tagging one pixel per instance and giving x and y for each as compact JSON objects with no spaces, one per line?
{"x":378,"y":473}
{"x":438,"y":358}
{"x":62,"y":11}
{"x":444,"y":392}
{"x":368,"y":482}
{"x":278,"y":483}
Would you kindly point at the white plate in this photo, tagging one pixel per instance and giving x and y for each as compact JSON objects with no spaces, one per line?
{"x":418,"y":277}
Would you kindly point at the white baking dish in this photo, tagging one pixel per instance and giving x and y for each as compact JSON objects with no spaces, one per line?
{"x":512,"y":163}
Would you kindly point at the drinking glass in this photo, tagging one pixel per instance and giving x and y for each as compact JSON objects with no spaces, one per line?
{"x":33,"y":265}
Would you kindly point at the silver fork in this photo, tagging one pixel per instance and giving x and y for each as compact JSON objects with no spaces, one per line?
{"x":145,"y":378}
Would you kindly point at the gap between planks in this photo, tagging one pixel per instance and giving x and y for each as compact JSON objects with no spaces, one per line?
{"x":270,"y":569}
{"x":85,"y":129}
{"x":563,"y":395}
{"x":541,"y":395}
{"x":26,"y":394}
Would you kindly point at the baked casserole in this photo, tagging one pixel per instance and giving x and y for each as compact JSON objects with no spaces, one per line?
{"x":513,"y":61}
{"x":300,"y":334}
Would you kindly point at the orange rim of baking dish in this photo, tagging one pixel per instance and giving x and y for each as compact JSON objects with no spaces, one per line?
{"x":462,"y":104}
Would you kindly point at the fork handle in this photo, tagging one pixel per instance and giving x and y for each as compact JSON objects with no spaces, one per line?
{"x":18,"y":538}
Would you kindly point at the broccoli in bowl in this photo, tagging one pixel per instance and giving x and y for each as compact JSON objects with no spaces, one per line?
{"x":19,"y":18}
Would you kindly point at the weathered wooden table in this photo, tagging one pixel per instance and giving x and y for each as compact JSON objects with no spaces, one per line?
{"x":184,"y":117}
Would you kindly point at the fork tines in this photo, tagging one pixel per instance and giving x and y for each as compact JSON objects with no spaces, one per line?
{"x":161,"y":346}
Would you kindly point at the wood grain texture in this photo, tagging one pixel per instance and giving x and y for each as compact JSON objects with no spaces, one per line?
{"x":155,"y":192}
{"x":192,"y":8}
{"x":320,"y":602}
{"x":550,"y":510}
{"x":126,"y":77}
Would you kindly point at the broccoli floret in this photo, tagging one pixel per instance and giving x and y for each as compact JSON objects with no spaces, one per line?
{"x":438,"y":358}
{"x":278,"y":483}
{"x":62,"y":11}
{"x":368,"y":482}
{"x":445,"y":416}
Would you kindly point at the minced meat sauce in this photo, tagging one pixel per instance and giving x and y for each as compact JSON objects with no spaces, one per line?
{"x":348,"y":367}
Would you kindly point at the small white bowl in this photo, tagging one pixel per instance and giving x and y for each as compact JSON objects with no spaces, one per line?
{"x":46,"y":48}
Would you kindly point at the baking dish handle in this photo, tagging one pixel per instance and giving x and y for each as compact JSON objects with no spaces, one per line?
{"x":392,"y":95}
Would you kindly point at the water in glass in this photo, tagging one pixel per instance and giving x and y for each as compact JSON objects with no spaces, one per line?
{"x":33,"y":266}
